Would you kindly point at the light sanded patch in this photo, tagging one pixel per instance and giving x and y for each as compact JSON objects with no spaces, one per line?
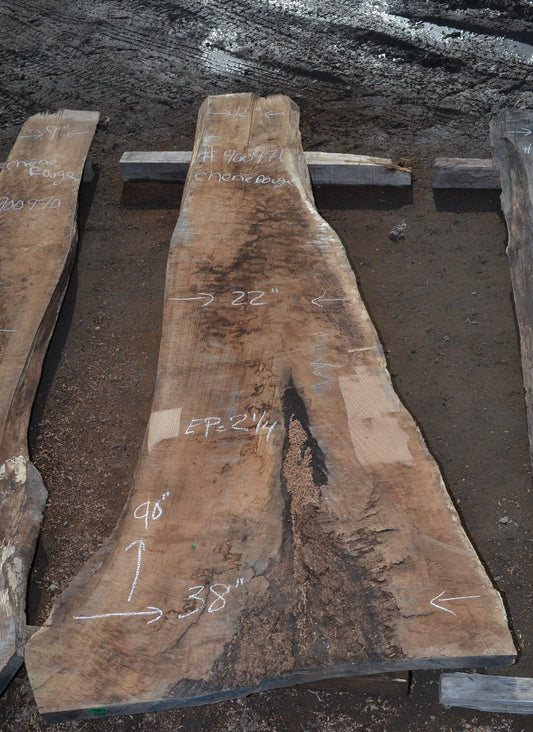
{"x":373,"y":411}
{"x":163,"y":425}
{"x":15,"y":467}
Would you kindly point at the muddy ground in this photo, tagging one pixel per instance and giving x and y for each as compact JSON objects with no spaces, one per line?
{"x":411,"y":80}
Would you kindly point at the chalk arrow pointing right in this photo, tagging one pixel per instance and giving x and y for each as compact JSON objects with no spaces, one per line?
{"x":157,"y":612}
{"x":200,"y":296}
{"x":441,"y":599}
{"x":522,"y":131}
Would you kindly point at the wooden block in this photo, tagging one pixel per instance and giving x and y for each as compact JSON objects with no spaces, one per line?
{"x":38,"y":200}
{"x":465,"y":173}
{"x":324,"y":168}
{"x":286,"y":522}
{"x":507,"y":694}
{"x":513,"y":159}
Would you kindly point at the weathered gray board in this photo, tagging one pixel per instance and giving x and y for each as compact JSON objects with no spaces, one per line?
{"x":324,"y":168}
{"x":286,"y":521}
{"x":512,"y":153}
{"x":508,"y":694}
{"x":471,"y":173}
{"x":38,"y":203}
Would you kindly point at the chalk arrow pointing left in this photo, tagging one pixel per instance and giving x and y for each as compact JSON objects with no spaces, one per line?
{"x":157,"y":612}
{"x":441,"y":599}
{"x":319,"y":300}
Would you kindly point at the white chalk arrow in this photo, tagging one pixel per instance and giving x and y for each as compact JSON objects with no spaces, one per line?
{"x":151,"y":611}
{"x":140,"y":550}
{"x":440,"y":598}
{"x":71,"y":133}
{"x":35,"y":135}
{"x":200,"y":296}
{"x":319,"y":300}
{"x":523,"y":131}
{"x":270,"y":113}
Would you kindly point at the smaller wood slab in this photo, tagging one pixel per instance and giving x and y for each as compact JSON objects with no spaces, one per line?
{"x":38,"y":200}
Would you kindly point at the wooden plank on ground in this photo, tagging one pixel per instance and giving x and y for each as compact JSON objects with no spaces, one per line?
{"x":508,"y":694}
{"x":286,"y":521}
{"x":471,"y":173}
{"x":324,"y":168}
{"x":38,"y":200}
{"x":513,"y":158}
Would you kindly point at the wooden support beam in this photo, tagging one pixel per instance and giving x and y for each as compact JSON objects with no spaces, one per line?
{"x":324,"y":168}
{"x":38,"y":202}
{"x":470,"y":173}
{"x":507,"y":694}
{"x":286,"y":522}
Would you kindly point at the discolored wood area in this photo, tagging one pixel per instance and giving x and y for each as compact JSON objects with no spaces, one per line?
{"x":38,"y":203}
{"x":286,"y":522}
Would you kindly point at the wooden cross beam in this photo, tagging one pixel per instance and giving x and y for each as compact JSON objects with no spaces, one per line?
{"x":324,"y":168}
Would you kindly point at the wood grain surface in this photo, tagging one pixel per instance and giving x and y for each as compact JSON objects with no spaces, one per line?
{"x":286,"y":522}
{"x":512,"y":153}
{"x":38,"y":203}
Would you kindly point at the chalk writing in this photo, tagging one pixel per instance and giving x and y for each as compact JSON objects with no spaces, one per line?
{"x":243,"y":111}
{"x":140,"y":548}
{"x":522,"y":131}
{"x":527,"y":148}
{"x":318,"y":301}
{"x":155,"y":611}
{"x":10,"y":204}
{"x":244,"y":422}
{"x":53,"y":130}
{"x":150,"y":510}
{"x":43,"y":168}
{"x":203,"y":175}
{"x":441,"y":599}
{"x":240,"y":297}
{"x":219,"y":590}
{"x":255,"y":156}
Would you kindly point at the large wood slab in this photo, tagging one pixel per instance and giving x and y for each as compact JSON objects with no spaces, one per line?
{"x":512,"y":152}
{"x":38,"y":201}
{"x":286,"y":521}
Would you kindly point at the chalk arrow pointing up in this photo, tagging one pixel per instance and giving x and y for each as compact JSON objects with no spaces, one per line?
{"x":200,"y":296}
{"x":319,"y":300}
{"x":440,"y":598}
{"x":522,"y":131}
{"x":157,"y":612}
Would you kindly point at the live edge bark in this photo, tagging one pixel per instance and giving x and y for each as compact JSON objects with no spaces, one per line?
{"x":286,"y":522}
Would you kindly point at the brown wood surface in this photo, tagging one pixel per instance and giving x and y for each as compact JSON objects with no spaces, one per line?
{"x":286,"y":522}
{"x":38,"y":200}
{"x":512,"y":152}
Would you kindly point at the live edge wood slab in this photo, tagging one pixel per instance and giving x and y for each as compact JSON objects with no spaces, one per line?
{"x":286,"y":522}
{"x":512,"y":154}
{"x":38,"y":202}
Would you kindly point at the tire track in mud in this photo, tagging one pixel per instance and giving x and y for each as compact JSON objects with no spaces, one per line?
{"x":236,"y":45}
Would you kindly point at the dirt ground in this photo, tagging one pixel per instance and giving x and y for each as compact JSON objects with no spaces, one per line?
{"x":406,"y":79}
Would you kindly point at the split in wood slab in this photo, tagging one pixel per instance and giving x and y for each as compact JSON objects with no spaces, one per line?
{"x":286,"y":522}
{"x":507,"y":694}
{"x":513,"y":158}
{"x":471,"y":173}
{"x":38,"y":201}
{"x":324,"y":168}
